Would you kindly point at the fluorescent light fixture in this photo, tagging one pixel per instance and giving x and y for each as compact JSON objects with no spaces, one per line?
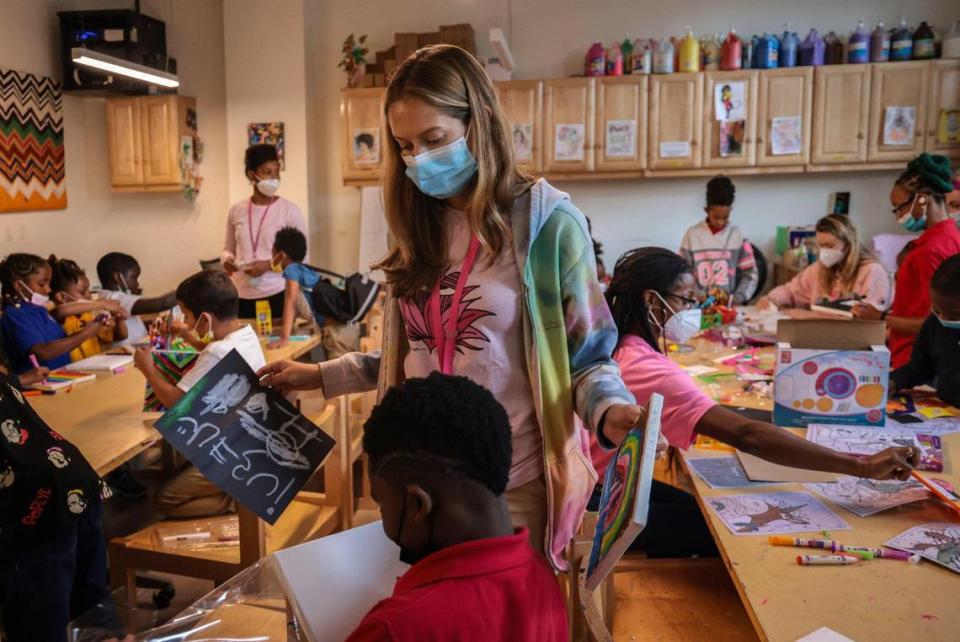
{"x":121,"y":67}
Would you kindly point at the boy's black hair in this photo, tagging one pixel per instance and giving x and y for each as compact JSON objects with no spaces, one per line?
{"x":17,"y":267}
{"x":64,"y":272}
{"x":946,"y":278}
{"x":114,"y":263}
{"x":366,"y":139}
{"x":720,"y":191}
{"x":446,"y":421}
{"x":258,"y":154}
{"x":292,"y":242}
{"x":646,"y":268}
{"x":209,"y":291}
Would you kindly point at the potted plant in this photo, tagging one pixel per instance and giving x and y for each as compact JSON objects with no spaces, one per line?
{"x":354,"y":61}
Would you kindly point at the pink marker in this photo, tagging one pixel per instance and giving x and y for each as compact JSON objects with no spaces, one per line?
{"x":33,"y":360}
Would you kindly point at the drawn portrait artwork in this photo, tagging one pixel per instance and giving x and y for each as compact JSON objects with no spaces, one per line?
{"x":248,"y":440}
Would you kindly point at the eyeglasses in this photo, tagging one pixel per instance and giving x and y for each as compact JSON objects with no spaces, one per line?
{"x":896,"y":210}
{"x":688,"y":303}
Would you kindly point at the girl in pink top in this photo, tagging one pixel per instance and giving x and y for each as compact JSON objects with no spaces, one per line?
{"x":845,"y":270}
{"x":650,"y":290}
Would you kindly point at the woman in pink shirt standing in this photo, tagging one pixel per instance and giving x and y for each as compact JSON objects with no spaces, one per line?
{"x":844,"y":270}
{"x":251,"y":227}
{"x":652,"y":300}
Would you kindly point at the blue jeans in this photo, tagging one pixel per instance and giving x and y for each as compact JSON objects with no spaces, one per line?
{"x":47,"y":583}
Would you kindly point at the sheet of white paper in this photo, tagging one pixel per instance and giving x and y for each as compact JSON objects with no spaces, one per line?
{"x":860,"y":440}
{"x":823,"y":634}
{"x":621,"y":139}
{"x":333,"y":581}
{"x":698,"y":369}
{"x":568,"y":142}
{"x":373,"y":231}
{"x":101,"y":363}
{"x":675,"y":149}
{"x":786,"y":135}
{"x":728,"y":101}
{"x":523,"y":141}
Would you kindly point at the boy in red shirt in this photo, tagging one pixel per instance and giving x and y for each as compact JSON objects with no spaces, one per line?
{"x":439,"y":452}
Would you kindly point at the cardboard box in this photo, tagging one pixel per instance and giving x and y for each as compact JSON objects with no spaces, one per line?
{"x":830,"y":372}
{"x":404,"y":44}
{"x":460,"y":35}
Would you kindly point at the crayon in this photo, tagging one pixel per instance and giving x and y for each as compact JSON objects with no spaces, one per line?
{"x":826,"y":560}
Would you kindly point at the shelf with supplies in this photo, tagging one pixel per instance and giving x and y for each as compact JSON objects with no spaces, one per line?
{"x":871,"y":117}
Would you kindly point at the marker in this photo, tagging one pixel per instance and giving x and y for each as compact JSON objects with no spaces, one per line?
{"x":826,"y":560}
{"x":783,"y":540}
{"x":942,"y":494}
{"x":894,"y":554}
{"x":33,"y":360}
{"x":857,"y":552}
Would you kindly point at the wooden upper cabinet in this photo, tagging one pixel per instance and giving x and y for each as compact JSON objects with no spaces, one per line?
{"x":898,"y":110}
{"x":840,"y":114}
{"x":160,"y":138}
{"x":621,"y":127}
{"x":568,"y":125}
{"x":522,"y":102}
{"x":364,"y":136}
{"x":676,"y":123}
{"x":944,"y":99}
{"x":123,"y":141}
{"x":729,"y":118}
{"x":784,"y":107}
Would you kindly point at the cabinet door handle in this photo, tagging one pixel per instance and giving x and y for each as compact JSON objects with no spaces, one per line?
{"x":760,"y":139}
{"x":860,"y":136}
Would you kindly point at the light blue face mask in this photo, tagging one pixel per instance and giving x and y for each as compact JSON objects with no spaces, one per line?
{"x":911,"y":224}
{"x":443,"y":172}
{"x":950,"y":325}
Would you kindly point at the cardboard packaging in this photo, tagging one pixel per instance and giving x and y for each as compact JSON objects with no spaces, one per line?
{"x":830,"y":372}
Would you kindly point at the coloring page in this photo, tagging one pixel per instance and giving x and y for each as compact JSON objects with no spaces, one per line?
{"x":939,"y":543}
{"x":722,"y":472}
{"x":866,"y":497}
{"x":859,"y":440}
{"x":523,"y":141}
{"x":898,"y":125}
{"x":621,"y":139}
{"x":568,"y":144}
{"x":785,"y":135}
{"x":728,"y":101}
{"x":774,"y":513}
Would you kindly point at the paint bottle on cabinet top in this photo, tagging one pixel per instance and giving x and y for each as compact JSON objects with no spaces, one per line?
{"x":858,"y":47}
{"x":626,"y":48}
{"x":731,"y":52}
{"x":833,"y":49}
{"x":923,"y":42}
{"x":663,"y":57}
{"x":614,"y":60}
{"x":710,"y":52}
{"x":746,"y":52}
{"x":642,"y":57}
{"x":811,"y":52}
{"x":901,"y":42}
{"x":880,"y":44}
{"x":767,"y":54}
{"x":596,"y":60}
{"x":950,"y":48}
{"x":788,"y":47}
{"x":689,"y":53}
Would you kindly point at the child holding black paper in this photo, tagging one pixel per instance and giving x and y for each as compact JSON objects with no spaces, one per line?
{"x":210,"y":305}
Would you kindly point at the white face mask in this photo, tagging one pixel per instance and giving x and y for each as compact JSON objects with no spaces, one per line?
{"x":268,"y":186}
{"x":35,"y":297}
{"x":830,"y":256}
{"x":681,"y":326}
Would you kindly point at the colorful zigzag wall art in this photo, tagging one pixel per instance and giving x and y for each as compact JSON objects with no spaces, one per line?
{"x":31,"y":143}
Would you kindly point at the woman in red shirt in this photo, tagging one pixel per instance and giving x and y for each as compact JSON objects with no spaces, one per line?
{"x":919,"y":200}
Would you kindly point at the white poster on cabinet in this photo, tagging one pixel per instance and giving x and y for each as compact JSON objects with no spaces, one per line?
{"x":786,"y":135}
{"x":523,"y":141}
{"x":621,"y":139}
{"x":729,"y":102}
{"x":899,"y":124}
{"x":568,"y":142}
{"x":675,"y":149}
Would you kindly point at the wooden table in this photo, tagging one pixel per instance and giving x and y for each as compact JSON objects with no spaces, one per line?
{"x":104,"y":419}
{"x":875,"y":600}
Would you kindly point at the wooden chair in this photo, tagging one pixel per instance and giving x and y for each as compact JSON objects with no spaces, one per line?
{"x":309,"y":516}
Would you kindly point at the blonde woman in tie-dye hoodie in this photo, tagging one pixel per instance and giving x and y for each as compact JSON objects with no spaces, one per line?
{"x":530,"y":322}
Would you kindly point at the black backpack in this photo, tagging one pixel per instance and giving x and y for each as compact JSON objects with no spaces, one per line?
{"x":347,"y":299}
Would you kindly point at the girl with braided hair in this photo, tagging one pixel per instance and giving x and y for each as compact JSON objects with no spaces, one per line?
{"x":919,"y":205}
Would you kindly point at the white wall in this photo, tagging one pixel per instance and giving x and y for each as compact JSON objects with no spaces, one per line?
{"x":265,"y":80}
{"x":166,"y":233}
{"x":548,"y":39}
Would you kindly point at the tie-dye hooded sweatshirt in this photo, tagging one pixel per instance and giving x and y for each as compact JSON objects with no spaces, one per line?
{"x":569,"y":337}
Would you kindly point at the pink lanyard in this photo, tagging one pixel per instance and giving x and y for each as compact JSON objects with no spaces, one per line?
{"x":255,"y":240}
{"x":446,"y":340}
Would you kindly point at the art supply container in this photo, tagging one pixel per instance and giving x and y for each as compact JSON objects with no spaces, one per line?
{"x":767,"y":54}
{"x":858,"y":46}
{"x":626,"y":48}
{"x":901,"y":42}
{"x":663,"y":57}
{"x":950,"y":47}
{"x":689,"y":53}
{"x":880,"y":44}
{"x":789,"y":42}
{"x":710,"y":53}
{"x":731,"y":52}
{"x":923,"y":48}
{"x":811,"y":51}
{"x":833,"y":49}
{"x":642,"y":62}
{"x":614,"y":60}
{"x":595,"y":63}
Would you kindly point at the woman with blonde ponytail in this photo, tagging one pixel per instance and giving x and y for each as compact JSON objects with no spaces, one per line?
{"x":844,"y":270}
{"x":492,"y":277}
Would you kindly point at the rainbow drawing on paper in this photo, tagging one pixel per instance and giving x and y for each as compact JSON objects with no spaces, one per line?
{"x":31,"y":143}
{"x":172,"y":365}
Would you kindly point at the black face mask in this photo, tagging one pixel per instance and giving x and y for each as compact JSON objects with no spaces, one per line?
{"x":408,"y":555}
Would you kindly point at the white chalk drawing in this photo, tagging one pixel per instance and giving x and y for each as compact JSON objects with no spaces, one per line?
{"x":228,"y":392}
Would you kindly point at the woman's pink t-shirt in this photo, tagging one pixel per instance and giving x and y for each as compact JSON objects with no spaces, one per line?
{"x":645,"y":371}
